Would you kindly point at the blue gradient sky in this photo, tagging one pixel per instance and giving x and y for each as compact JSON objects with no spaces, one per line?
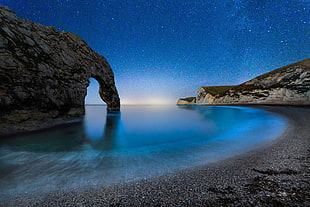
{"x":162,"y":50}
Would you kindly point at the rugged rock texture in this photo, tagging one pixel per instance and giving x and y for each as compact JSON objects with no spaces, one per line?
{"x":286,"y":85}
{"x":44,"y":71}
{"x":187,"y":101}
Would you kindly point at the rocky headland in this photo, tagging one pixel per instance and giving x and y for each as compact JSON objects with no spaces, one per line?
{"x":287,"y":85}
{"x":44,"y":74}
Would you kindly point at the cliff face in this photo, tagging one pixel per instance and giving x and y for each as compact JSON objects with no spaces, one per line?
{"x":43,"y":70}
{"x":187,"y":101}
{"x":286,"y":85}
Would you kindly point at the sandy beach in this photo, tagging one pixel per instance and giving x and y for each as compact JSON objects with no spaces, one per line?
{"x":277,"y":174}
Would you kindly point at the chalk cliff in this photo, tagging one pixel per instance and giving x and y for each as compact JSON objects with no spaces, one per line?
{"x":186,"y":101}
{"x":286,"y":85}
{"x":44,"y":73}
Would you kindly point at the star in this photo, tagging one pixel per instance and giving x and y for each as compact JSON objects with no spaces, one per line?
{"x":213,"y":41}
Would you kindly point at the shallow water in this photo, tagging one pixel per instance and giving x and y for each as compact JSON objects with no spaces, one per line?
{"x":140,"y":142}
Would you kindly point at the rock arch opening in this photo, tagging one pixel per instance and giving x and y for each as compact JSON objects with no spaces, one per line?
{"x":108,"y":95}
{"x":92,"y":94}
{"x":55,"y":85}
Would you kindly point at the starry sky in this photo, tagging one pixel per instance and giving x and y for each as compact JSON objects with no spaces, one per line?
{"x":161,"y":50}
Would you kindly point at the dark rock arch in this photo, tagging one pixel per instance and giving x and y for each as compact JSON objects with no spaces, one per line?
{"x":47,"y":71}
{"x":107,"y":93}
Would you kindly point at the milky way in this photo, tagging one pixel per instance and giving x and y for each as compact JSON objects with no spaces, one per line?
{"x":163,"y":50}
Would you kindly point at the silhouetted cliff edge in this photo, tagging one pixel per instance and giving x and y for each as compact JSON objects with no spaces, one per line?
{"x":44,"y":74}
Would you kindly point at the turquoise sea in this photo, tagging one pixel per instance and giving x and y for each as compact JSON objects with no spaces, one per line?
{"x":138,"y":143}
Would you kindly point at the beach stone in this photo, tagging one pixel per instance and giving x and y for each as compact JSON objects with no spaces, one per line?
{"x":42,"y":69}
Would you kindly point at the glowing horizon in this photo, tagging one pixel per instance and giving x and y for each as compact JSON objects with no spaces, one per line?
{"x":93,"y":97}
{"x":164,"y":50}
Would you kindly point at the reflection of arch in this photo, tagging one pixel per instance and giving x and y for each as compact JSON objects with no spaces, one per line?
{"x":111,"y":130}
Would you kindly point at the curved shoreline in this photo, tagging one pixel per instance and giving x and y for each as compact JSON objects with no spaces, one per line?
{"x":276,"y":174}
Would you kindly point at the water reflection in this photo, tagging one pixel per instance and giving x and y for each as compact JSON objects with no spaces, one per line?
{"x":94,"y":123}
{"x":157,"y":129}
{"x":110,"y":134}
{"x":220,"y":117}
{"x":139,"y":143}
{"x":97,"y":131}
{"x":65,"y":138}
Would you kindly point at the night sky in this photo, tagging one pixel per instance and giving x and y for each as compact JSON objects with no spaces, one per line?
{"x":162,"y":50}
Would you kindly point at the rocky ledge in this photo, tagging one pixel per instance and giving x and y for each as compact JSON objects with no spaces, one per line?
{"x":287,"y":85}
{"x":44,"y":74}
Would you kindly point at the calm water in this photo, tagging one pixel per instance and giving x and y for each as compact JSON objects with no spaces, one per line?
{"x":140,"y":142}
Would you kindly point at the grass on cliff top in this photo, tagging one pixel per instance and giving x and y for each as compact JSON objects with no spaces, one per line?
{"x":189,"y":99}
{"x":215,"y":90}
{"x":305,"y":62}
{"x":220,"y":90}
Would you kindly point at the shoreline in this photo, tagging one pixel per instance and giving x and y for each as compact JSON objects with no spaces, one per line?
{"x":305,"y":104}
{"x":275,"y":174}
{"x":35,"y":126}
{"x":30,"y":125}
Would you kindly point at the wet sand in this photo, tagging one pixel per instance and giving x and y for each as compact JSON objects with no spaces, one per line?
{"x":277,"y":174}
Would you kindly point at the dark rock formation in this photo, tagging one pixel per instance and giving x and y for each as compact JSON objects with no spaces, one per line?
{"x":42,"y":70}
{"x":287,"y":85}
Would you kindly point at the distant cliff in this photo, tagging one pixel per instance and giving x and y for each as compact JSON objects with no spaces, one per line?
{"x":286,"y":85}
{"x":44,"y":73}
{"x":188,"y":100}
